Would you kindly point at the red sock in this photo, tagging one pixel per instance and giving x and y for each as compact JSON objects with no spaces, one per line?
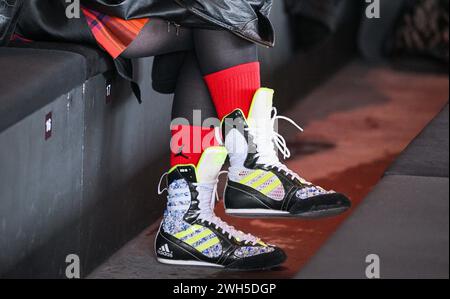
{"x":188,"y":144}
{"x":234,"y":88}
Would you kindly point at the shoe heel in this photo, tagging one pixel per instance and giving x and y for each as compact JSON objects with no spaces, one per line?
{"x":235,"y":198}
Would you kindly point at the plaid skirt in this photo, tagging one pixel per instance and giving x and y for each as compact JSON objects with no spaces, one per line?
{"x":113,"y":34}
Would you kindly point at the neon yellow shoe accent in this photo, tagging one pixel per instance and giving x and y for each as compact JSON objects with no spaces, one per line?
{"x":208,"y":244}
{"x":271,"y":187}
{"x":198,"y":237}
{"x":262,"y":93}
{"x":262,"y":243}
{"x":219,"y":157}
{"x":188,"y":231}
{"x":251,"y":176}
{"x":262,"y":180}
{"x":211,"y":163}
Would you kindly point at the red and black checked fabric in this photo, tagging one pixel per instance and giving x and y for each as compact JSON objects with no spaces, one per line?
{"x":113,"y":34}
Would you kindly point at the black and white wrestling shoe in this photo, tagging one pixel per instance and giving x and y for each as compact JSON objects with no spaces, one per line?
{"x":258,"y":183}
{"x":191,"y":234}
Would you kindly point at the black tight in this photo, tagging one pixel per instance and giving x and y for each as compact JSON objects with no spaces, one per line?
{"x":210,"y":51}
{"x":191,"y":93}
{"x":218,"y":50}
{"x":157,"y":38}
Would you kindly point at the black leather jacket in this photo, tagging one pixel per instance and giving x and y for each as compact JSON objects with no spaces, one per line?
{"x":248,"y":19}
{"x":8,"y":18}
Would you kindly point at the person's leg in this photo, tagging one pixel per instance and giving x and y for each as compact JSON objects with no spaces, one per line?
{"x":157,"y":38}
{"x":230,"y":68}
{"x":192,"y":106}
{"x":256,"y":175}
{"x":231,"y":71}
{"x":191,"y":94}
{"x":218,"y":50}
{"x":191,"y":233}
{"x":228,"y":63}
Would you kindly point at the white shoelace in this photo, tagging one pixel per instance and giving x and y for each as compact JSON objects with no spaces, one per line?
{"x":207,"y":195}
{"x":161,"y":191}
{"x":264,"y":135}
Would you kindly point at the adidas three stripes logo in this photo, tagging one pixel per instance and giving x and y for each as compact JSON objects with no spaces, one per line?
{"x":263,"y":181}
{"x":164,"y":250}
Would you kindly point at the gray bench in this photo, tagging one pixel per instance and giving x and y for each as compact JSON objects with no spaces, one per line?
{"x":85,"y":186}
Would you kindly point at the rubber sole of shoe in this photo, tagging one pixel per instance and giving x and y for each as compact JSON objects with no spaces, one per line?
{"x":209,"y":265}
{"x":263,"y":213}
{"x":322,"y":213}
{"x":254,"y":269}
{"x":188,"y":263}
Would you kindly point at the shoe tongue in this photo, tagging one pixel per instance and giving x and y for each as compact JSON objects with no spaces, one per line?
{"x":261,"y":108}
{"x":210,"y":164}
